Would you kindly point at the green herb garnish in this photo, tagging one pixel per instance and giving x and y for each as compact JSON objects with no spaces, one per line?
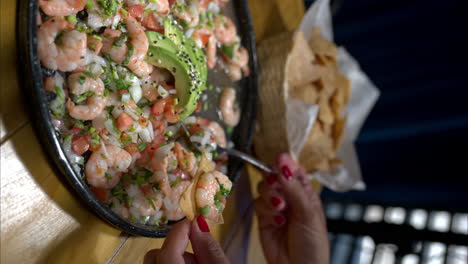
{"x":204,"y":211}
{"x":142,"y":146}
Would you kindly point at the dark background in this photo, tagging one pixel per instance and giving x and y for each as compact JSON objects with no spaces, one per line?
{"x":413,"y":149}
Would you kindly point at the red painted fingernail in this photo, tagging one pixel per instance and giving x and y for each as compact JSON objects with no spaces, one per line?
{"x":279,"y":219}
{"x":287,"y":172}
{"x":270,"y":179}
{"x":202,"y":224}
{"x":275,"y":201}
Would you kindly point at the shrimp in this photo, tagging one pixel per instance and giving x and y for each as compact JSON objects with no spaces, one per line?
{"x":163,"y":7}
{"x":160,"y":165}
{"x":238,"y":64}
{"x":210,"y":194}
{"x":106,"y":165}
{"x":60,"y":46}
{"x":225,"y":30}
{"x":217,"y":133}
{"x":61,"y":7}
{"x":139,"y":42}
{"x":171,"y":203}
{"x":201,"y":36}
{"x":147,"y":201}
{"x":227,"y":104}
{"x":185,"y":159}
{"x":211,"y":52}
{"x":80,"y":84}
{"x":117,"y":53}
{"x":191,"y":16}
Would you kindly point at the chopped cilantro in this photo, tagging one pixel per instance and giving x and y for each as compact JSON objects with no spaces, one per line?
{"x":82,"y":79}
{"x":219,"y":205}
{"x":150,"y":201}
{"x":204,"y":211}
{"x":84,"y":96}
{"x":71,"y":19}
{"x":177,"y":181}
{"x":142,"y":146}
{"x":108,"y":176}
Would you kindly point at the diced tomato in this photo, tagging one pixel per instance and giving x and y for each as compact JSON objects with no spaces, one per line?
{"x":121,"y":92}
{"x":159,"y":125}
{"x":124,"y":121}
{"x":171,"y":2}
{"x":157,"y":140}
{"x":158,"y":107}
{"x":195,"y":128}
{"x":199,"y":107}
{"x":101,"y":193}
{"x":203,"y":121}
{"x":136,"y":11}
{"x":144,"y":158}
{"x":204,"y":3}
{"x":146,"y":189}
{"x":80,"y":144}
{"x":94,"y":45}
{"x":151,"y":23}
{"x":204,"y":39}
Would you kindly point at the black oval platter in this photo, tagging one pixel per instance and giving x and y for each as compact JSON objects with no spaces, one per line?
{"x":31,"y":80}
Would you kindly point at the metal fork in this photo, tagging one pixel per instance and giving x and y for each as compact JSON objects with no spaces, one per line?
{"x":233,"y":152}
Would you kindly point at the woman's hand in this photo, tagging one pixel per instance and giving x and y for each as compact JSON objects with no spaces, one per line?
{"x":205,"y":248}
{"x":291,"y":221}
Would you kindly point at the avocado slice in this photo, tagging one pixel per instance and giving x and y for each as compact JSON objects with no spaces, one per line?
{"x":163,"y":53}
{"x":186,"y":61}
{"x":188,"y":45}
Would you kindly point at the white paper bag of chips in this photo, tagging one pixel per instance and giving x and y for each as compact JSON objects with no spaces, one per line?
{"x":347,"y":175}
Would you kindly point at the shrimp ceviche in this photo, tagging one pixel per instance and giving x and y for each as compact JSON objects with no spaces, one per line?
{"x":122,"y":78}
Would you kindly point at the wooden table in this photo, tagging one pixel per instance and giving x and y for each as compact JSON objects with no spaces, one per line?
{"x":42,"y":221}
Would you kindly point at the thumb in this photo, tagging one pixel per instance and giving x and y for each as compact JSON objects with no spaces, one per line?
{"x":205,"y":248}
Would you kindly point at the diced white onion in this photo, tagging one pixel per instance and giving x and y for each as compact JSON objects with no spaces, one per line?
{"x":172,"y":129}
{"x":109,"y":124}
{"x":173,"y":91}
{"x":125,"y":97}
{"x":162,"y":152}
{"x":131,"y":112}
{"x":151,"y":130}
{"x":189,"y":33}
{"x":213,"y":7}
{"x":116,"y":111}
{"x":145,"y":135}
{"x":190,"y":120}
{"x":146,"y":111}
{"x":94,"y":21}
{"x":152,"y":6}
{"x":115,"y":21}
{"x":135,"y":91}
{"x":162,"y":92}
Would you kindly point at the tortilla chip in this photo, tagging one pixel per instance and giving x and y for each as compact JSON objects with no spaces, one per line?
{"x":337,"y":101}
{"x":300,"y":67}
{"x":338,"y":132}
{"x":325,"y":113}
{"x":317,"y":148}
{"x":335,"y":162}
{"x":322,"y":46}
{"x":187,"y":200}
{"x":308,"y":93}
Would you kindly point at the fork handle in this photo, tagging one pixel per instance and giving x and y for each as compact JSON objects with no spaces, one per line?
{"x":245,"y":157}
